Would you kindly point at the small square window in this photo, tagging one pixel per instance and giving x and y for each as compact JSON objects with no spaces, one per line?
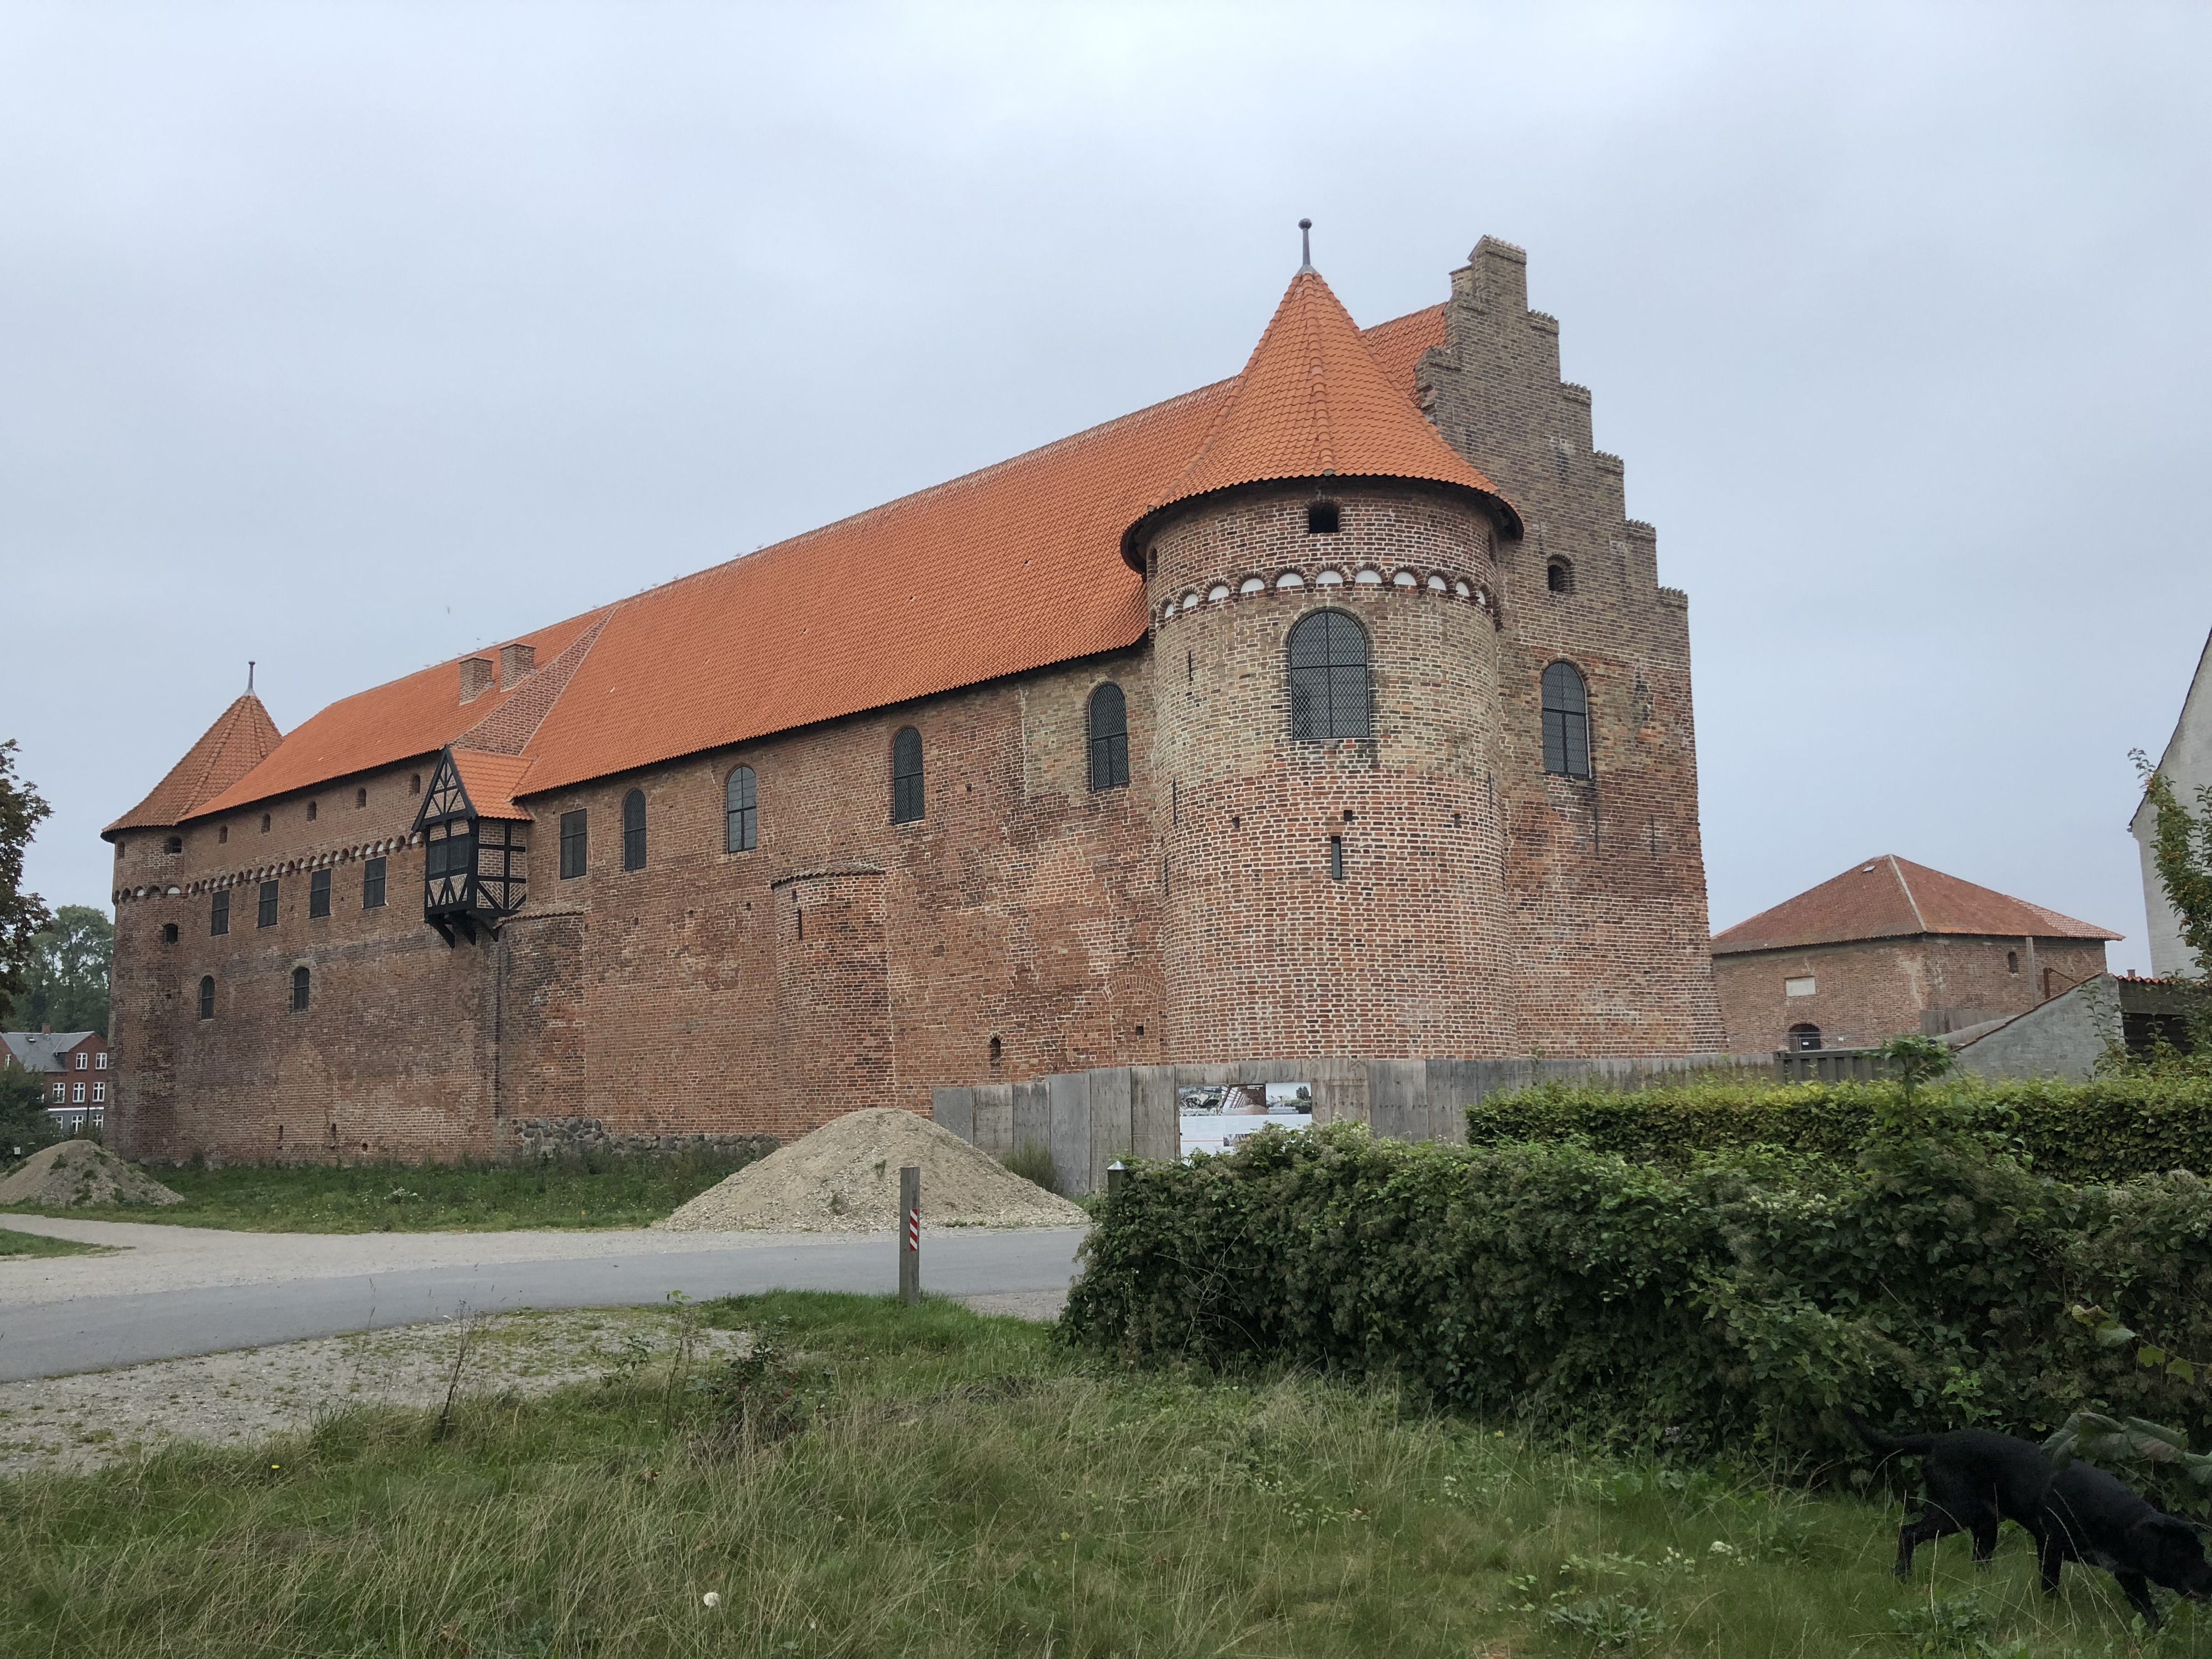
{"x":1322,"y":518}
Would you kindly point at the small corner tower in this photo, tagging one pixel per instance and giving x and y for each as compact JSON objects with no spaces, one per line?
{"x":1322,"y":580}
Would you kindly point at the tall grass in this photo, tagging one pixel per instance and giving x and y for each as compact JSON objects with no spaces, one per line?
{"x":1032,"y":1161}
{"x":968,"y":1488}
{"x":571,"y":1190}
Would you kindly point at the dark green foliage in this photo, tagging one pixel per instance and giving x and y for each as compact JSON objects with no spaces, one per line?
{"x":65,"y":975}
{"x":24,"y":1125}
{"x":2182,"y":850}
{"x":1729,"y":1306}
{"x":2108,"y":1129}
{"x":21,"y":914}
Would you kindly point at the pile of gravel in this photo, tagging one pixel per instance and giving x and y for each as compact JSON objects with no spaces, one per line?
{"x":81,"y":1172}
{"x":844,"y":1177}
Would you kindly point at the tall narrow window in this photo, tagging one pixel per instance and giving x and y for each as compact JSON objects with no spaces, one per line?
{"x":1336,"y":858}
{"x":1566,"y":722}
{"x":906,"y":776}
{"x":266,"y":916}
{"x":1329,"y":677}
{"x":740,"y":812}
{"x":219,"y":913}
{"x":372,"y":884}
{"x":298,"y":990}
{"x":207,"y":996}
{"x":319,"y":893}
{"x":1109,"y":737}
{"x":572,"y":844}
{"x":633,"y":830}
{"x":168,"y":932}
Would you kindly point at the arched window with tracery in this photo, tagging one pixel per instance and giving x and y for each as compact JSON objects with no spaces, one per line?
{"x":1329,"y":677}
{"x":1566,"y":722}
{"x":740,"y":812}
{"x":633,"y":830}
{"x":1109,"y":737}
{"x":906,"y":776}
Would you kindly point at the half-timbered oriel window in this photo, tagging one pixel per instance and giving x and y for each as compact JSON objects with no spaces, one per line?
{"x":633,"y":830}
{"x":740,"y":812}
{"x":474,"y":865}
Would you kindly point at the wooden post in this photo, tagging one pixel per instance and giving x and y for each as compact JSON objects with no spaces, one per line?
{"x":910,"y":1234}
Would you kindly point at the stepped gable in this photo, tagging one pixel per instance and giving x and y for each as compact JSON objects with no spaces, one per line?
{"x":1314,"y":403}
{"x":1891,"y":897}
{"x":242,"y":736}
{"x":1010,"y":568}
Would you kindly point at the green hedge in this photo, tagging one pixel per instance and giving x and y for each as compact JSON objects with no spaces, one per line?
{"x":2110,"y":1130}
{"x":1723,"y":1308}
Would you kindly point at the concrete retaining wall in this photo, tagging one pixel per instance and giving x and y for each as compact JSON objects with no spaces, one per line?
{"x":1089,"y":1119}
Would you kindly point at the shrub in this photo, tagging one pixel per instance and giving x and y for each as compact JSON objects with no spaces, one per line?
{"x":2108,"y":1129}
{"x":1727,"y":1306}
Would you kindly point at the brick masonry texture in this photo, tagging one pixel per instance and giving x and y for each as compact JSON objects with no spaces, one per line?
{"x":1028,"y":924}
{"x":1867,"y":990}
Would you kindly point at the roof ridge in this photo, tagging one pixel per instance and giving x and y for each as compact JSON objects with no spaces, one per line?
{"x":1910,"y":898}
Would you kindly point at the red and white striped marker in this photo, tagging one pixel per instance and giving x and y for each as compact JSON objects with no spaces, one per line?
{"x":914,"y":1230}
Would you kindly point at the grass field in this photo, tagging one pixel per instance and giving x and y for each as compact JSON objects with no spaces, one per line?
{"x":961,"y":1487}
{"x":13,"y":1243}
{"x":568,"y":1192}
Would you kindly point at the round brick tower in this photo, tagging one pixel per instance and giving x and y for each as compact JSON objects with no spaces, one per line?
{"x":1322,"y":591}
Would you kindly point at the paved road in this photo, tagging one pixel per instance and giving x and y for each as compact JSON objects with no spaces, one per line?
{"x":94,"y":1332}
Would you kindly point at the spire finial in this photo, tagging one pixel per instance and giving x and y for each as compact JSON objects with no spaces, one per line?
{"x":1305,"y":245}
{"x":249,"y":676}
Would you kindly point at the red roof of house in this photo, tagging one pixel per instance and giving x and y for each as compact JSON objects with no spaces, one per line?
{"x":493,"y":782}
{"x":1008,"y":569}
{"x":1891,"y":897}
{"x":242,"y":736}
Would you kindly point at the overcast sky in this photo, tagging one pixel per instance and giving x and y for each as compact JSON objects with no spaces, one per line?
{"x":346,"y":337}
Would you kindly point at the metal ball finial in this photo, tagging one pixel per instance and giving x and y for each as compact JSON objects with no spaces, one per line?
{"x":1305,"y":243}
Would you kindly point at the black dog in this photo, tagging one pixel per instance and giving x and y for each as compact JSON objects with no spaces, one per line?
{"x":1975,"y":1482}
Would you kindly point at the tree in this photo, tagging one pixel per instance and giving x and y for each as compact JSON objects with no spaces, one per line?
{"x":2182,"y":850}
{"x":65,"y":982}
{"x":21,"y":914}
{"x":24,"y":1125}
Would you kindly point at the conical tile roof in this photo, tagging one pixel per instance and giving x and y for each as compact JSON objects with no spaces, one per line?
{"x":1312,"y":402}
{"x":242,"y":736}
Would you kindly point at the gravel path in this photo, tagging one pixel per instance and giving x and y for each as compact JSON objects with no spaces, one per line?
{"x":75,"y":1423}
{"x":151,"y":1256}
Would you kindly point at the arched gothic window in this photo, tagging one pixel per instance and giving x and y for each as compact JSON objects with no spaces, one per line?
{"x":1566,"y":722}
{"x":1804,"y":1039}
{"x":740,"y":812}
{"x":906,"y":776}
{"x":207,"y":996}
{"x":1329,"y":677}
{"x":633,"y":830}
{"x":299,"y":991}
{"x":1109,"y":737}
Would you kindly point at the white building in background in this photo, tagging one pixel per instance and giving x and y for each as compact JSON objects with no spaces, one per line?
{"x":2188,"y":762}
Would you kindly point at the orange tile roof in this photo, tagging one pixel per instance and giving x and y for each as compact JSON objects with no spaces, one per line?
{"x":1313,"y":402}
{"x":1891,"y":897}
{"x":1008,"y":569}
{"x":242,"y":736}
{"x":493,"y":782}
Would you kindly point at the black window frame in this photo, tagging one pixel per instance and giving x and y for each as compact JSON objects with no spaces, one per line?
{"x":207,"y":996}
{"x":374,"y":875}
{"x":740,"y":810}
{"x":302,"y":988}
{"x":909,"y":799}
{"x":219,"y":913}
{"x":1804,"y":1038}
{"x":1332,"y":692}
{"x":1106,"y":721}
{"x":575,"y":842}
{"x":1564,"y":695}
{"x":633,"y":834}
{"x":318,"y":894}
{"x":264,"y":910}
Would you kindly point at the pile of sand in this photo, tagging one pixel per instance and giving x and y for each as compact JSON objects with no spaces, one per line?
{"x":81,"y":1172}
{"x":844,"y":1177}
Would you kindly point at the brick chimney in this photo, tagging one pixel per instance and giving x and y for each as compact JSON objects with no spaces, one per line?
{"x":517,"y":662}
{"x":476,"y":678}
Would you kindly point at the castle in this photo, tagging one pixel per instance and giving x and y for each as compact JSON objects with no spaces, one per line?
{"x":1333,"y":709}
